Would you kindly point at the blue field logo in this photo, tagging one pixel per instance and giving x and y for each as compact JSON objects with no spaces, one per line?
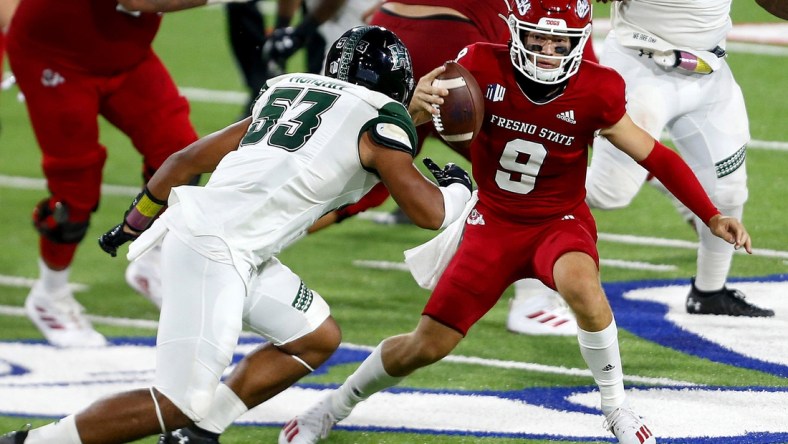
{"x":677,"y":411}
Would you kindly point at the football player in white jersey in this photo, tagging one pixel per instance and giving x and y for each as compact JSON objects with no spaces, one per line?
{"x":671,"y":53}
{"x":313,"y":143}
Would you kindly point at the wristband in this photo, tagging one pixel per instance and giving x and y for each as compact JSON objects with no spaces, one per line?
{"x":455,"y":196}
{"x":143,"y":210}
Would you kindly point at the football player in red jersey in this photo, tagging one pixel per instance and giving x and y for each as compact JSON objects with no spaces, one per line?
{"x":543,"y":108}
{"x":74,"y":61}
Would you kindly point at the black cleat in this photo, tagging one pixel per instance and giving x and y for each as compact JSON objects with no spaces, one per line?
{"x":17,"y":437}
{"x":187,"y":436}
{"x":728,"y":301}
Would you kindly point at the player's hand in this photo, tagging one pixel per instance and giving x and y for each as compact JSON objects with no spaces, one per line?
{"x":280,"y":46}
{"x":450,"y":174}
{"x":114,"y":238}
{"x":732,"y":231}
{"x":426,"y":98}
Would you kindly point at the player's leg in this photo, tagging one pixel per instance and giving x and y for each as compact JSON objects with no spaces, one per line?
{"x":198,"y":329}
{"x":538,"y":310}
{"x":712,"y":139}
{"x":458,"y":301}
{"x":390,"y":362}
{"x":301,"y":336}
{"x":63,"y":109}
{"x":567,"y":259}
{"x":247,"y":34}
{"x":145,"y":105}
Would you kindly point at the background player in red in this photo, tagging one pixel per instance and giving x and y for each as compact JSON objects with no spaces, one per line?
{"x":75,"y":61}
{"x":543,"y":107}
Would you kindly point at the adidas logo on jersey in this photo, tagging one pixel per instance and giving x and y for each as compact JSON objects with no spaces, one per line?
{"x":567,"y":116}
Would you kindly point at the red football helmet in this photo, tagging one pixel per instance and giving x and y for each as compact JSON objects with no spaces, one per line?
{"x":548,"y":19}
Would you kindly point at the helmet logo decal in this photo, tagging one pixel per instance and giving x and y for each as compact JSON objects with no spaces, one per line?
{"x":399,"y":59}
{"x":523,"y":6}
{"x":583,"y":8}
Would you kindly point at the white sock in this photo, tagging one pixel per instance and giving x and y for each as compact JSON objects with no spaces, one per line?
{"x":714,"y":256}
{"x":225,"y":409}
{"x":52,"y":280}
{"x":367,"y":380}
{"x":600,"y":351}
{"x":63,"y":431}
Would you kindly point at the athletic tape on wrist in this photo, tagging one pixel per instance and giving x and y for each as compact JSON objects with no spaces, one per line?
{"x":144,"y":211}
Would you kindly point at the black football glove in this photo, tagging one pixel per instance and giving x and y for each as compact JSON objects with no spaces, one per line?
{"x":140,"y":215}
{"x":450,"y":174}
{"x":114,"y":238}
{"x":281,"y":45}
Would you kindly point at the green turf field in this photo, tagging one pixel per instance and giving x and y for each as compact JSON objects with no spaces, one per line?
{"x":371,"y":304}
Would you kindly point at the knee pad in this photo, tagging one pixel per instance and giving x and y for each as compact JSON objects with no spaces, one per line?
{"x":54,"y":220}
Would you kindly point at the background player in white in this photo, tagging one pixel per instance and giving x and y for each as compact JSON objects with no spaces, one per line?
{"x":543,"y":106}
{"x":671,"y":55}
{"x":314,"y":143}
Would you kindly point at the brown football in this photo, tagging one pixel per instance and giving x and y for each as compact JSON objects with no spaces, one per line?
{"x":778,"y":8}
{"x":462,"y":112}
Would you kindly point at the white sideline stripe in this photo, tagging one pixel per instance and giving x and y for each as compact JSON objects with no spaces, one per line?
{"x":143,"y":323}
{"x":636,"y":265}
{"x":675,"y":243}
{"x":558,"y":370}
{"x":615,"y":263}
{"x":29,"y":183}
{"x":23,"y":282}
{"x":9,"y":310}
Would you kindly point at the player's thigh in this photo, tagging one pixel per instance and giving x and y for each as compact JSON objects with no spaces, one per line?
{"x":148,"y":107}
{"x":280,"y":306}
{"x":63,"y":109}
{"x":712,"y":140}
{"x":199,"y":325}
{"x":487,"y":261}
{"x":569,"y":235}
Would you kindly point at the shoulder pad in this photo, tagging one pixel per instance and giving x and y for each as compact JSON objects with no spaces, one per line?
{"x":394,"y":128}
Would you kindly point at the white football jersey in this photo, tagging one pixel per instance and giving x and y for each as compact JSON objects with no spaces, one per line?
{"x":298,"y":161}
{"x":690,"y":24}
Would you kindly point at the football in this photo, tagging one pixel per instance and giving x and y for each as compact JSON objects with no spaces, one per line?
{"x":462,"y":112}
{"x":778,"y":8}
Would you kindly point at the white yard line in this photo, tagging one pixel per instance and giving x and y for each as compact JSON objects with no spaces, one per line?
{"x":615,"y":263}
{"x":541,"y":368}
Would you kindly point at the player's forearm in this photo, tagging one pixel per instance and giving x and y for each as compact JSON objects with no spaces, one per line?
{"x":680,"y":180}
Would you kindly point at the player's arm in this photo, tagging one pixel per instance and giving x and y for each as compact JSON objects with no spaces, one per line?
{"x":7,"y":8}
{"x":427,"y":205}
{"x":200,"y":157}
{"x":677,"y":177}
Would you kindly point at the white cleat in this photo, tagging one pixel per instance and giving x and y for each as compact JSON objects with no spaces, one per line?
{"x":310,"y":426}
{"x":628,"y":427}
{"x":144,"y":277}
{"x":541,"y":314}
{"x":61,"y":318}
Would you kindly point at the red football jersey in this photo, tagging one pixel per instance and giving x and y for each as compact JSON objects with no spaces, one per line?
{"x":86,"y":35}
{"x":529,"y":160}
{"x":483,"y":13}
